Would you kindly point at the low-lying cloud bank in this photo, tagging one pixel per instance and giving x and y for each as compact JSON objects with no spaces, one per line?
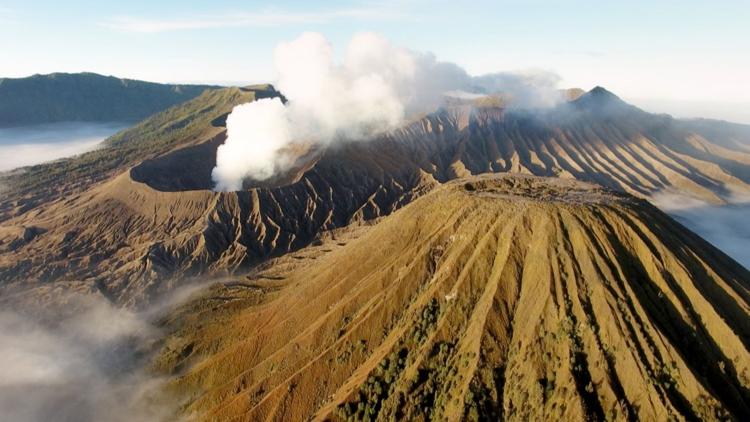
{"x":724,"y":226}
{"x":372,"y":89}
{"x":85,"y":367}
{"x":25,"y":146}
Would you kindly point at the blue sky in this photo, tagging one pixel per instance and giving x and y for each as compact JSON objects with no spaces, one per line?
{"x":687,"y":51}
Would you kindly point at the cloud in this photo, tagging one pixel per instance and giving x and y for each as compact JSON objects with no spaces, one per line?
{"x":31,"y":145}
{"x":531,"y":89}
{"x":267,"y":18}
{"x":78,"y":368}
{"x":76,"y":357}
{"x":371,"y":90}
{"x":724,"y":226}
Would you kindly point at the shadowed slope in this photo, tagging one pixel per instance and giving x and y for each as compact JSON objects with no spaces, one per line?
{"x":505,"y":297}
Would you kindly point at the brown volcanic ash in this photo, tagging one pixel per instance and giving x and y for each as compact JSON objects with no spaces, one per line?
{"x":501,"y":297}
{"x":132,"y":235}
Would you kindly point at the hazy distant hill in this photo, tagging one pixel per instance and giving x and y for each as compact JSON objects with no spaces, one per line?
{"x":88,"y":97}
{"x":735,"y":136}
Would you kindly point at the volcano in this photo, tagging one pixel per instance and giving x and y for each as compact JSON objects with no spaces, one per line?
{"x":481,"y":261}
{"x":133,"y":218}
{"x":498,"y":296}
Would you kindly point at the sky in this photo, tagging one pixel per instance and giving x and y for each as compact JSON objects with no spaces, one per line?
{"x":686,"y":57}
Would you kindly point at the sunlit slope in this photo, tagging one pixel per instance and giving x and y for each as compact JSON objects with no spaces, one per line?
{"x":505,"y":297}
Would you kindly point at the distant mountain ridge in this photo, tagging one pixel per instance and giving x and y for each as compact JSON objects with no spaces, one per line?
{"x":89,"y":97}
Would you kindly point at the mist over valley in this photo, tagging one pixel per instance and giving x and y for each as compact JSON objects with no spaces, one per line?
{"x":29,"y":145}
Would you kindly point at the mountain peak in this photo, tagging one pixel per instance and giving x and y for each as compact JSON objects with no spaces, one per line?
{"x":602,"y":94}
{"x":600,"y":98}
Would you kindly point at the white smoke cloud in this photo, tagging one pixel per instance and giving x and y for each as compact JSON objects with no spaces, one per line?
{"x":533,"y":89}
{"x":80,"y":361}
{"x":724,"y":226}
{"x":265,"y":119}
{"x":373,"y":89}
{"x":29,"y":145}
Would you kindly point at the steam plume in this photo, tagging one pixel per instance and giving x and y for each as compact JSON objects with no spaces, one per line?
{"x":79,"y":358}
{"x":77,"y":370}
{"x":374,"y":87}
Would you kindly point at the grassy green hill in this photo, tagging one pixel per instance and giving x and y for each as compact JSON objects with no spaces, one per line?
{"x":90,"y":97}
